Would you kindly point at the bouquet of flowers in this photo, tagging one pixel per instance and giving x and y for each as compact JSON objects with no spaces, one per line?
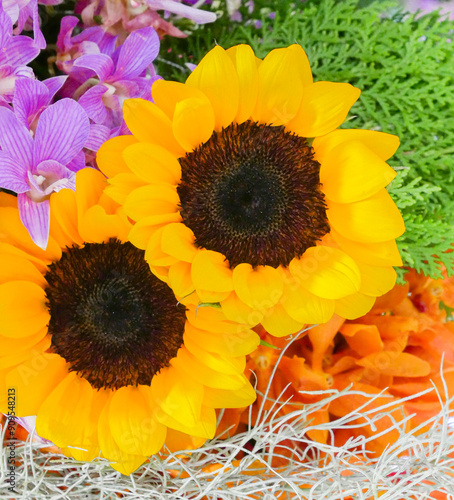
{"x":224,"y":272}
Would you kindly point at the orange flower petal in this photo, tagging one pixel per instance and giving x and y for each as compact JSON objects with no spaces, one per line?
{"x":395,"y":363}
{"x":364,"y":339}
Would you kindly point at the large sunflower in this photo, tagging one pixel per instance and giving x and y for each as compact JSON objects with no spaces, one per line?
{"x":244,"y":192}
{"x":97,"y":347}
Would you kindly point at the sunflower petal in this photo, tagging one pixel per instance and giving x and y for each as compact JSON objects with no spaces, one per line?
{"x":15,"y":268}
{"x":210,"y":271}
{"x":229,"y":344}
{"x":132,"y":424}
{"x":151,"y":200}
{"x":63,"y":209}
{"x":122,"y":185}
{"x":282,"y":76}
{"x":204,"y":428}
{"x":382,"y":144}
{"x":188,"y":364}
{"x":326,"y":272}
{"x":279,"y":323}
{"x":372,"y":220}
{"x":69,"y":416}
{"x":148,"y":123}
{"x":154,"y":254}
{"x":167,"y":94}
{"x":125,"y":463}
{"x":217,"y":78}
{"x":217,"y":362}
{"x":22,"y":309}
{"x":354,"y":306}
{"x":260,"y":287}
{"x":110,"y":155}
{"x":221,"y":398}
{"x":177,"y":396}
{"x":352,"y":172}
{"x":8,"y":344}
{"x":193,"y":123}
{"x":97,"y":226}
{"x":35,"y":379}
{"x":152,"y":163}
{"x":383,"y":253}
{"x":245,"y":63}
{"x":178,"y":241}
{"x":323,"y":108}
{"x":376,"y":281}
{"x":305,"y":307}
{"x":143,"y":230}
{"x":236,"y":310}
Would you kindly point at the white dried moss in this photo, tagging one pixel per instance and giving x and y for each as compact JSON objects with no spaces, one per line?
{"x":412,"y":468}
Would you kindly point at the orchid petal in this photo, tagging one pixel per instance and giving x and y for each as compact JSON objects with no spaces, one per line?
{"x":77,"y":163}
{"x":20,"y":51}
{"x":6,"y":29}
{"x":12,"y":174}
{"x":15,"y":137}
{"x":137,"y":52}
{"x":98,"y":135}
{"x":54,"y":85}
{"x":38,"y":36}
{"x":93,"y":104}
{"x":61,"y":133}
{"x":101,"y":64}
{"x":68,"y":23}
{"x":52,"y":170}
{"x":30,"y":97}
{"x":36,"y":218}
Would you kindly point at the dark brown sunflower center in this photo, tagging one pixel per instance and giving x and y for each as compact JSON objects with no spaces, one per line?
{"x":112,"y":320}
{"x":252,"y":193}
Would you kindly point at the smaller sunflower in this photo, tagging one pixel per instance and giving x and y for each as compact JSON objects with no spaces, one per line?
{"x":244,"y":192}
{"x":98,"y":348}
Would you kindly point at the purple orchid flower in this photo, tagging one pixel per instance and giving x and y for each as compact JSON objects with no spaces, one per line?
{"x":15,"y":53}
{"x":35,"y":164}
{"x":32,"y":97}
{"x":101,"y":81}
{"x":92,"y":40}
{"x":24,"y":14}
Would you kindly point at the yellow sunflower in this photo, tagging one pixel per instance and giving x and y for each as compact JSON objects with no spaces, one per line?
{"x":244,"y":192}
{"x":98,"y":348}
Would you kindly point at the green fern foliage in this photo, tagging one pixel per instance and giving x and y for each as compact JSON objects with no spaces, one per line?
{"x":404,"y":65}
